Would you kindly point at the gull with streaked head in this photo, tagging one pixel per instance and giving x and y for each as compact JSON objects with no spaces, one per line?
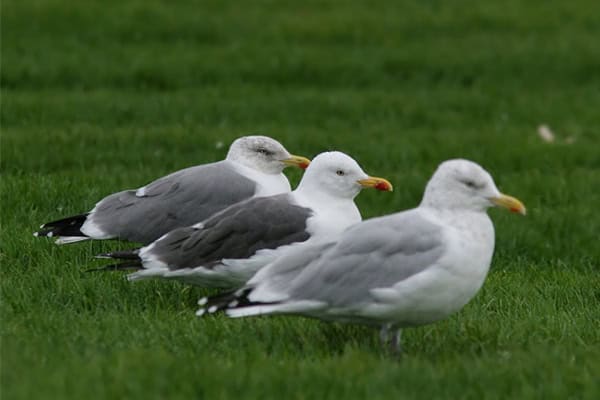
{"x":253,"y":167}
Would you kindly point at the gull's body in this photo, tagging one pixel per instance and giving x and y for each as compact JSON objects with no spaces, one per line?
{"x":228,"y":248}
{"x":406,"y":269}
{"x":253,"y":167}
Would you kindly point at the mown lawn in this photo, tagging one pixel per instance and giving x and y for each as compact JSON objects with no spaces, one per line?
{"x":99,"y":96}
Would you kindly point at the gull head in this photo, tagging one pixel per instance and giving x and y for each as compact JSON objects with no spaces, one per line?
{"x":339,"y":175}
{"x":264,"y":154}
{"x":465,"y":185}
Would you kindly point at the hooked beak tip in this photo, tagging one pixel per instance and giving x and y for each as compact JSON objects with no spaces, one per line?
{"x":510,"y":203}
{"x":381,"y":184}
{"x":296,"y":161}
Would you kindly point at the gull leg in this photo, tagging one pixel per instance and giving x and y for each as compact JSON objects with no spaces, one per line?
{"x":384,"y":334}
{"x":396,"y":343}
{"x":391,"y":339}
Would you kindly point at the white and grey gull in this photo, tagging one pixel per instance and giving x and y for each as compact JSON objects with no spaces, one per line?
{"x":406,"y":269}
{"x":229,"y":247}
{"x":253,"y":167}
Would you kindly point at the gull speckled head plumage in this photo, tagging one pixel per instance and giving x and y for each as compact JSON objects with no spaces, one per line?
{"x":263,"y":154}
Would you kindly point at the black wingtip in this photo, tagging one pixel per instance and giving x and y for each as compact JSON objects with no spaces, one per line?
{"x":69,"y":226}
{"x":132,"y":254}
{"x":44,"y":232}
{"x":124,"y":266}
{"x":223,"y":301}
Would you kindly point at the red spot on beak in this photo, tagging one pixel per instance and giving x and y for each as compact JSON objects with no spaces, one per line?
{"x":303,"y":165}
{"x":382,"y":186}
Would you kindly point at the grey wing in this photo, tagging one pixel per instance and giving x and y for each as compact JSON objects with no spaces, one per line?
{"x":176,"y":200}
{"x":238,"y":231}
{"x":374,"y":254}
{"x":269,"y":284}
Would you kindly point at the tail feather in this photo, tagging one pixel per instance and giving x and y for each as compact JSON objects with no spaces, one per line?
{"x":70,"y":226}
{"x":302,"y":307}
{"x":70,"y":239}
{"x":252,"y":311}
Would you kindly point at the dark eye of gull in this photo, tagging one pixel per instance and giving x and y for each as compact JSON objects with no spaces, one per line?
{"x":263,"y":151}
{"x":340,"y":172}
{"x":472,"y":184}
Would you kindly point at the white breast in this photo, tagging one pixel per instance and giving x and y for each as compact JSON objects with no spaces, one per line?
{"x":331,"y":216}
{"x":451,"y":282}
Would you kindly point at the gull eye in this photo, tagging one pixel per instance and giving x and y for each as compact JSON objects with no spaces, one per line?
{"x":472,"y":184}
{"x":339,"y":172}
{"x":263,"y":151}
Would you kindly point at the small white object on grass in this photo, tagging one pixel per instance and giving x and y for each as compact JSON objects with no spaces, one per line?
{"x":546,"y":133}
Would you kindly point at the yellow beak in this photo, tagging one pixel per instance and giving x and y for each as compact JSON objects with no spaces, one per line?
{"x":509,"y":202}
{"x":296,"y":161}
{"x":376,"y":183}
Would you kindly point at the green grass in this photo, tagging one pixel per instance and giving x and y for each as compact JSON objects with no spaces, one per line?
{"x":99,"y":96}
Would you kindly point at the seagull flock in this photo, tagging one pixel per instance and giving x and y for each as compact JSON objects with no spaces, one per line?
{"x":237,"y":226}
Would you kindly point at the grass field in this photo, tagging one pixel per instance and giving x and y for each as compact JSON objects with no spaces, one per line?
{"x":104,"y":95}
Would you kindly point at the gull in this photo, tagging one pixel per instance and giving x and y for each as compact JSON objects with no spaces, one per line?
{"x":228,"y":248}
{"x":253,"y":167}
{"x":402,"y":270}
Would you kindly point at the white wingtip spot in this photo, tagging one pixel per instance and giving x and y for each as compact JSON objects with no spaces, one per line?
{"x":42,"y":226}
{"x":50,"y":234}
{"x":203,"y":301}
{"x":212,"y":309}
{"x":232,"y":304}
{"x":200,"y":312}
{"x":35,"y":234}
